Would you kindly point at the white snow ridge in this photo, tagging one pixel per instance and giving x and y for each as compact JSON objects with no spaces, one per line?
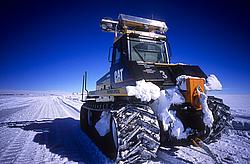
{"x":144,"y":91}
{"x":212,"y":83}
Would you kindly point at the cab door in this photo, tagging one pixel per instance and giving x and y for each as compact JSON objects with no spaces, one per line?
{"x":118,"y":69}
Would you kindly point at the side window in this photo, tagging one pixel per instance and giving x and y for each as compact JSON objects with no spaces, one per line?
{"x":116,"y":54}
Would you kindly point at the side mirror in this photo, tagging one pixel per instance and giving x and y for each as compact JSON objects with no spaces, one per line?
{"x":110,"y":51}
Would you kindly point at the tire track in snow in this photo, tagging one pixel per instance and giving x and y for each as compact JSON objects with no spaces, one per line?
{"x":71,"y":110}
{"x":14,"y":102}
{"x":165,"y":157}
{"x":232,"y":151}
{"x":74,"y":112}
{"x":6,"y":112}
{"x":14,"y":149}
{"x":9,"y":134}
{"x":31,"y":151}
{"x":75,"y":142}
{"x":41,"y":151}
{"x":78,"y":146}
{"x":34,"y":152}
{"x":47,"y":131}
{"x":61,"y":108}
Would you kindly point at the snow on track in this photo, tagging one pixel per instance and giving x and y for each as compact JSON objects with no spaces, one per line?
{"x":233,"y":147}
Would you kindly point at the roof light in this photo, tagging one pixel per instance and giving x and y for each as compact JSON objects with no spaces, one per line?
{"x":143,"y":24}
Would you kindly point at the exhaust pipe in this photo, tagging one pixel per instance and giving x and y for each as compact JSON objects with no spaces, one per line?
{"x":84,"y":84}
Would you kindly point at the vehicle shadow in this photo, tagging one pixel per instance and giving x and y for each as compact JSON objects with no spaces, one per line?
{"x":168,"y":155}
{"x":63,"y":136}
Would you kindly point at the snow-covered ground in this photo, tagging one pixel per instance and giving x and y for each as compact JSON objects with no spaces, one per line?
{"x":233,"y":147}
{"x":44,"y":128}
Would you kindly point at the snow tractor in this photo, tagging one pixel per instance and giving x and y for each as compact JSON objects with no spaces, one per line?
{"x":144,"y":101}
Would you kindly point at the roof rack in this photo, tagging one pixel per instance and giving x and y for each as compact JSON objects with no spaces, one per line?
{"x":127,"y":23}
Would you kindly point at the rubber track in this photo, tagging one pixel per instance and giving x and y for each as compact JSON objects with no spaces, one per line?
{"x":222,"y":118}
{"x":138,"y":134}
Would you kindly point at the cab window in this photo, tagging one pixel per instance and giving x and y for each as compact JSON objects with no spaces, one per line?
{"x":117,"y":54}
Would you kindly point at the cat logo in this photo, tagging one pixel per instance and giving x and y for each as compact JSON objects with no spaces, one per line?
{"x":118,"y":75}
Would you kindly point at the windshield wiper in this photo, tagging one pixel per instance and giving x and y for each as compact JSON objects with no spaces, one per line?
{"x":149,"y":51}
{"x":139,"y":54}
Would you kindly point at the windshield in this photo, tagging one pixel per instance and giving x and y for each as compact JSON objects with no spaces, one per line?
{"x":147,"y":51}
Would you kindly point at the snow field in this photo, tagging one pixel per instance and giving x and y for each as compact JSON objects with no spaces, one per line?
{"x":45,"y":129}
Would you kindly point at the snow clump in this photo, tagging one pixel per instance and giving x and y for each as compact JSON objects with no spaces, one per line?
{"x":208,"y":118}
{"x":213,"y":83}
{"x":146,"y":91}
{"x":103,"y":125}
{"x":178,"y":130}
{"x":161,"y":107}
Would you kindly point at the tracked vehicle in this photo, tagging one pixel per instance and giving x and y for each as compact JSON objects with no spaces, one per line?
{"x":127,"y":129}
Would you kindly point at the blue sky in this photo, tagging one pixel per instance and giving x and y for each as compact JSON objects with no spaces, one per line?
{"x":47,"y":45}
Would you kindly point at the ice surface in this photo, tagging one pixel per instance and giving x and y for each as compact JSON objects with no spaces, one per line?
{"x":103,"y":125}
{"x":146,"y":91}
{"x":239,"y":110}
{"x":212,"y":83}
